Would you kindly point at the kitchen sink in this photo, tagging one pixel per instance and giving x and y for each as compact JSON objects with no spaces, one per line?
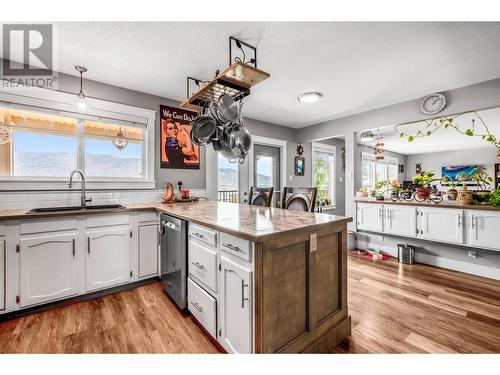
{"x":74,"y":208}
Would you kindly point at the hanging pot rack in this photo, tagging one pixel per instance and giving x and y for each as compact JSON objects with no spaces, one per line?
{"x":236,"y":80}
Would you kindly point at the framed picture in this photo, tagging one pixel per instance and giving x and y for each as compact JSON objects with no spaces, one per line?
{"x":176,"y":148}
{"x":299,"y":165}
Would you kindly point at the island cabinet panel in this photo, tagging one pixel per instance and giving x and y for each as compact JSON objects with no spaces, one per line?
{"x":47,"y":268}
{"x":301,"y":291}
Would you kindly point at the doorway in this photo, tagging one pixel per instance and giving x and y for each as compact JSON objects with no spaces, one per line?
{"x":267,"y":169}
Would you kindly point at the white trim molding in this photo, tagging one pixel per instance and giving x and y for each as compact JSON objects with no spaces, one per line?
{"x":65,"y":104}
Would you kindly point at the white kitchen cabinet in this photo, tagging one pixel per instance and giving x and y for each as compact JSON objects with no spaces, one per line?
{"x":235,"y":303}
{"x":441,"y":224}
{"x":370,"y":217}
{"x":148,"y":250}
{"x":400,"y":220}
{"x":107,"y":258}
{"x":485,"y":229}
{"x":2,"y":274}
{"x":47,"y":268}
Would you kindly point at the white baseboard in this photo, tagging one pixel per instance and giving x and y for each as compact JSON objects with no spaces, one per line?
{"x":457,"y":265}
{"x":432,"y":260}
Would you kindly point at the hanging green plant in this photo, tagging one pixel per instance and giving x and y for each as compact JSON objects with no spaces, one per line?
{"x":433,"y":125}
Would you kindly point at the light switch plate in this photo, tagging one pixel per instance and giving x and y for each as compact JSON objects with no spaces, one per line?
{"x":313,"y":242}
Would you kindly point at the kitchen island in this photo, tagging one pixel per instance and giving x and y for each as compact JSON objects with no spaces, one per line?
{"x":261,"y":280}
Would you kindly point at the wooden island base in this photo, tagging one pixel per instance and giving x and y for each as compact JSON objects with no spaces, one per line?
{"x":301,"y":292}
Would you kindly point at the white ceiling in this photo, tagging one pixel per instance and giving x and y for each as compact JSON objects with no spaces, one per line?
{"x":443,"y":139}
{"x":357,"y":66}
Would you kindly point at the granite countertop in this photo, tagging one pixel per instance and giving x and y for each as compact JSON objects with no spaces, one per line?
{"x":444,"y":204}
{"x":250,"y":222}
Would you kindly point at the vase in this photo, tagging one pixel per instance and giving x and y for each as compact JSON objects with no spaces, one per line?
{"x":422,"y":193}
{"x":481,"y":197}
{"x":464,"y":196}
{"x":452,"y":194}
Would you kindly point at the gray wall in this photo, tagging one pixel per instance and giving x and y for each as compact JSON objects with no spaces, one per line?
{"x":194,"y":179}
{"x":484,"y":157}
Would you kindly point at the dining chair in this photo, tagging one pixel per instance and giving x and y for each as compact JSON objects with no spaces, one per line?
{"x":261,"y":196}
{"x":299,"y":199}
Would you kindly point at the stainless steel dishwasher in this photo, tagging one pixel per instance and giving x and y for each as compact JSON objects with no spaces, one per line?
{"x":174,"y":258}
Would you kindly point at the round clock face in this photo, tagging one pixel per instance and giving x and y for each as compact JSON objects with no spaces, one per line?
{"x":433,"y":104}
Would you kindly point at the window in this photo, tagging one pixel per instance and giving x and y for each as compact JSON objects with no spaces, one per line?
{"x":264,"y":168}
{"x":44,"y":144}
{"x":227,"y":180}
{"x":373,"y":171}
{"x":324,"y":172}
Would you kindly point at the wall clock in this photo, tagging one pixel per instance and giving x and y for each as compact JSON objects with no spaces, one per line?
{"x":433,"y":104}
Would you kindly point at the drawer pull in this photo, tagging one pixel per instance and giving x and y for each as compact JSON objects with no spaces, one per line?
{"x":198,"y":235}
{"x":232,"y":247}
{"x":197,"y":306}
{"x":243,"y":298}
{"x":200,"y":266}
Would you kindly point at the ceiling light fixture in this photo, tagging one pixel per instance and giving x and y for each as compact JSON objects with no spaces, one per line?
{"x":367,"y":136}
{"x":309,"y":97}
{"x":81,"y":96}
{"x":120,"y":142}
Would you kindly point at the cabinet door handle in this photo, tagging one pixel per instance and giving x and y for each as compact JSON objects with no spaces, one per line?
{"x":197,"y":264}
{"x":197,"y":306}
{"x":380,"y":213}
{"x":88,"y":245}
{"x":472,"y":221}
{"x":198,"y":235}
{"x":459,"y":220}
{"x":74,"y":252}
{"x":232,"y":247}
{"x":243,"y":299}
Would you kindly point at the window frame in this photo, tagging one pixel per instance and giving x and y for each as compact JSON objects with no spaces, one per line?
{"x":330,"y":149}
{"x":373,"y":173}
{"x":64,"y":104}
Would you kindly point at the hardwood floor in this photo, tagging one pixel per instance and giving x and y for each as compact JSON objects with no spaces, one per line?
{"x":416,"y":308}
{"x":141,"y":320}
{"x":395,"y":309}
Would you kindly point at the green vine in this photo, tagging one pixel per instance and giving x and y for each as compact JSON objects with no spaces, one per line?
{"x":434,"y":125}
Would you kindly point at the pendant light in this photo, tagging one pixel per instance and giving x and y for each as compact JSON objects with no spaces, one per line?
{"x":120,"y":142}
{"x":378,"y":149}
{"x":81,"y":96}
{"x":4,"y":135}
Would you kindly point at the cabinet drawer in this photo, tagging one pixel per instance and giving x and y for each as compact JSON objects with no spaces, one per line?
{"x":42,"y":226}
{"x":97,"y":221}
{"x":203,"y":234}
{"x":203,"y":264}
{"x":2,"y":230}
{"x":147,"y":216}
{"x":203,"y":306}
{"x":236,"y":246}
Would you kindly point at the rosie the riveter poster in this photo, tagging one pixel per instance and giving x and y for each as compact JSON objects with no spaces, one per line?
{"x":176,"y":148}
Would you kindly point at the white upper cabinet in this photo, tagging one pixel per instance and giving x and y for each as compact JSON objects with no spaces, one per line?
{"x":400,"y":220}
{"x":148,"y":250}
{"x":107,"y":258}
{"x":442,"y":224}
{"x":235,"y":318}
{"x":2,"y":275}
{"x":370,"y":216}
{"x":47,"y":268}
{"x":485,"y":229}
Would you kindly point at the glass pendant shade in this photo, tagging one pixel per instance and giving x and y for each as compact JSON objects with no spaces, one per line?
{"x":120,"y":142}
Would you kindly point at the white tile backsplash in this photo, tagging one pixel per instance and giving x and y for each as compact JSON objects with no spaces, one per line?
{"x":55,"y":199}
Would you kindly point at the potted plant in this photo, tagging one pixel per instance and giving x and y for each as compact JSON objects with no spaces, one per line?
{"x":362,"y":192}
{"x":482,"y":181}
{"x":423,"y":182}
{"x":495,"y":198}
{"x":380,"y":189}
{"x":452,"y":185}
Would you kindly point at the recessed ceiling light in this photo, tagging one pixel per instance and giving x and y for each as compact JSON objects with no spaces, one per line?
{"x":309,"y":97}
